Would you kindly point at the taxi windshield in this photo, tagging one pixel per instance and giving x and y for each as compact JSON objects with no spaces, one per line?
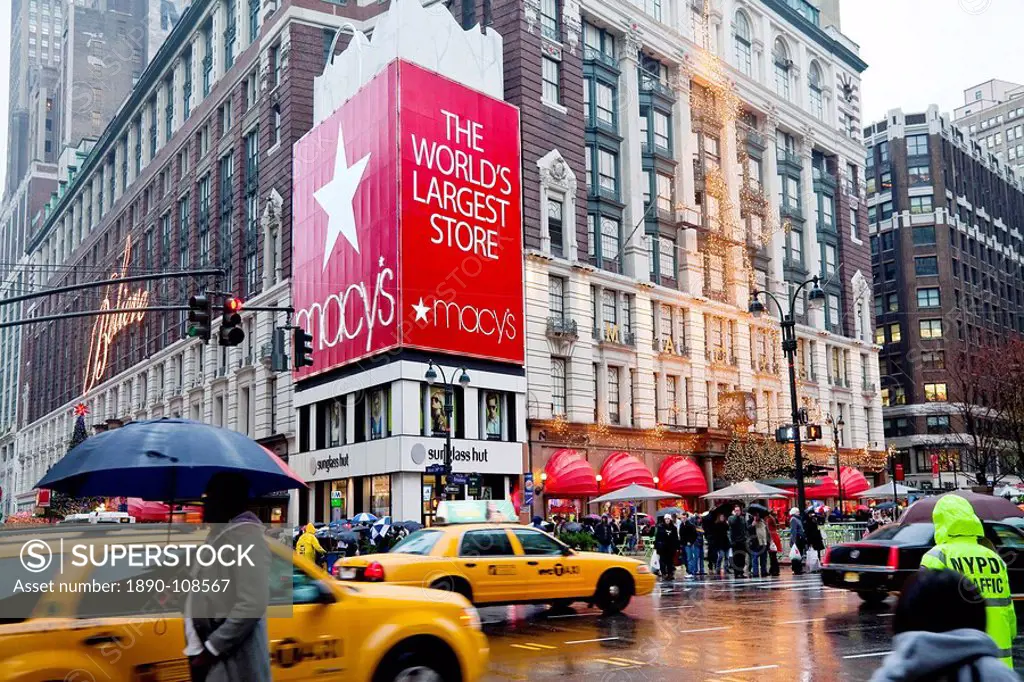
{"x":420,"y":542}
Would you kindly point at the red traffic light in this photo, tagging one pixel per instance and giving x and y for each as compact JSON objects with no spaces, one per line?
{"x":232,"y":305}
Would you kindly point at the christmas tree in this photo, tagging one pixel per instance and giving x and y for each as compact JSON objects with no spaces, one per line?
{"x":60,"y":504}
{"x":754,"y":456}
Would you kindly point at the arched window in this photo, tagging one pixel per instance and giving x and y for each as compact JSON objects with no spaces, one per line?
{"x":815,"y":100}
{"x":782,"y":63}
{"x":741,"y":40}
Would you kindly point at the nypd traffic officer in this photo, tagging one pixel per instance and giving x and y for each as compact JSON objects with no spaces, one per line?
{"x":957,"y":531}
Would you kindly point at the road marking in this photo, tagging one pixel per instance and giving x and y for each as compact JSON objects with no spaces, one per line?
{"x":745,"y":670}
{"x":684,"y":606}
{"x":685,"y":632}
{"x":590,"y":641}
{"x":609,"y":661}
{"x":532,"y":646}
{"x":869,"y":655}
{"x":629,"y":661}
{"x":805,"y":620}
{"x":886,"y":615}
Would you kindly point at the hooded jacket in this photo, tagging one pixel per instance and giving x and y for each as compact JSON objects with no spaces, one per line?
{"x":957,"y":656}
{"x":957,"y":531}
{"x":308,"y":546}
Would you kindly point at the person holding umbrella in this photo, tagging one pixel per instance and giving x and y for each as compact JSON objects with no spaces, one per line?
{"x":666,"y":544}
{"x":739,"y":539}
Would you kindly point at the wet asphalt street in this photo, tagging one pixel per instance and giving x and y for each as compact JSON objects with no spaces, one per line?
{"x":786,"y":628}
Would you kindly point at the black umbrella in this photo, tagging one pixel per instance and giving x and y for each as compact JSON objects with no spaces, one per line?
{"x":885,"y":505}
{"x":756,"y":508}
{"x":572,"y":527}
{"x":410,"y":526}
{"x":348,"y":537}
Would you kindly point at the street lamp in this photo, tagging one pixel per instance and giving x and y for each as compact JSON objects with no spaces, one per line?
{"x":837,"y":426}
{"x":449,"y":409}
{"x":815,"y":300}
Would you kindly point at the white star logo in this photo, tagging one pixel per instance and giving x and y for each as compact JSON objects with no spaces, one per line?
{"x":421,"y":311}
{"x":335,"y":198}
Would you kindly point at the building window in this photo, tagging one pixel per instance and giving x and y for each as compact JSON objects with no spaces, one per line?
{"x":895,"y":334}
{"x":203,"y":199}
{"x":613,"y":395}
{"x":667,"y":257}
{"x":833,"y":320}
{"x":207,"y":64}
{"x":919,"y":175}
{"x":604,"y":104}
{"x":938,"y":424}
{"x":928,"y":297}
{"x":551,"y":90}
{"x":921,"y":205}
{"x":607,"y":172}
{"x":252,"y":213}
{"x":556,"y":210}
{"x":558,"y":387}
{"x":742,"y":42}
{"x":933,"y":359}
{"x":935,"y":393}
{"x":930,"y":329}
{"x":917,"y":145}
{"x":781,"y":63}
{"x":926,"y":265}
{"x":828,"y":261}
{"x":275,"y":124}
{"x":227,"y":213}
{"x":549,"y":25}
{"x":796,"y":239}
{"x":556,"y":296}
{"x":923,"y":235}
{"x":662,"y":125}
{"x":854,"y":230}
{"x":183,"y":254}
{"x":230,"y":28}
{"x":254,"y":20}
{"x":816,"y":100}
{"x":186,"y":92}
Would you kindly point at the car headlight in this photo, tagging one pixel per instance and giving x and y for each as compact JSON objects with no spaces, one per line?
{"x":470,"y":617}
{"x":643,"y":568}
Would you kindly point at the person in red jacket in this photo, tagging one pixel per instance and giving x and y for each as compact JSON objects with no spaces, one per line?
{"x":774,"y":545}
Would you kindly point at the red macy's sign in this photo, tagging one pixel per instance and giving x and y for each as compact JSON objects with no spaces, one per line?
{"x":407,"y":223}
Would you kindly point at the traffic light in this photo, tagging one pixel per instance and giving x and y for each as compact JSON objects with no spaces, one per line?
{"x":200,"y":312}
{"x":302,"y":347}
{"x":231,"y":333}
{"x":813,"y":432}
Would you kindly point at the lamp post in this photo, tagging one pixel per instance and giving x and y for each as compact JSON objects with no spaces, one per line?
{"x":449,"y":409}
{"x":837,"y":426}
{"x":787,"y":321}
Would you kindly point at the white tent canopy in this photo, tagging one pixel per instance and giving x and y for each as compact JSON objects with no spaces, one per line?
{"x":747,"y":490}
{"x":885,"y":491}
{"x":633,"y":492}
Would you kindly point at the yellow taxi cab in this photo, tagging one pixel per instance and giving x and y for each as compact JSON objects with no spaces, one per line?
{"x":497,"y":563}
{"x":333,"y":630}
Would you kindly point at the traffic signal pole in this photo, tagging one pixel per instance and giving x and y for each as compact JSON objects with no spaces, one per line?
{"x":91,"y":313}
{"x":108,"y":282}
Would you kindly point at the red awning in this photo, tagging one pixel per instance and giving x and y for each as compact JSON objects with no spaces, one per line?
{"x":681,"y":476}
{"x":144,"y":510}
{"x":569,"y":475}
{"x":622,"y":469}
{"x":853,"y":483}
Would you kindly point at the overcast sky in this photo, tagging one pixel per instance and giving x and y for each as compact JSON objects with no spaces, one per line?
{"x":918,"y":52}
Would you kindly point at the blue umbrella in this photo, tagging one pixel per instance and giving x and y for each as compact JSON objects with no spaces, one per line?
{"x":166,"y":459}
{"x":364,"y":517}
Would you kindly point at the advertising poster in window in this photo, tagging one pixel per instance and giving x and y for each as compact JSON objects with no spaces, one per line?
{"x":492,"y":415}
{"x":438,"y":419}
{"x":378,"y":413}
{"x":337,"y":423}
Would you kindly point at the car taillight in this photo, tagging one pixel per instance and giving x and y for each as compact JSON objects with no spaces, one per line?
{"x":894,"y":558}
{"x":335,"y":569}
{"x":828,"y":556}
{"x":374,"y":572}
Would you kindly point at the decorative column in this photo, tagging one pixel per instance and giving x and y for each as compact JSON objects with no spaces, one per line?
{"x":634,"y":262}
{"x":812,"y":252}
{"x":770,"y":182}
{"x":691,"y":277}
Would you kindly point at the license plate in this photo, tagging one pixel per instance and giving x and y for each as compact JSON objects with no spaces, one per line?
{"x":851,"y":577}
{"x":347,"y":574}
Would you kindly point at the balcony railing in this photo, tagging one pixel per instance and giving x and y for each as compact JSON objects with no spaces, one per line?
{"x":788,"y":210}
{"x":650,"y":82}
{"x":592,"y":54}
{"x":787,"y":156}
{"x":562,"y":328}
{"x":613,"y":334}
{"x":720,"y":356}
{"x":868,"y":386}
{"x":670,"y":345}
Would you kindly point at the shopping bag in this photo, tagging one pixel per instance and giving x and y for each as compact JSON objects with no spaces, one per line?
{"x":655,"y":564}
{"x":794,"y":553}
{"x":813,"y":563}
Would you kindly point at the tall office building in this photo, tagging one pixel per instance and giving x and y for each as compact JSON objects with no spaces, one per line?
{"x":993,"y":114}
{"x":945,"y":217}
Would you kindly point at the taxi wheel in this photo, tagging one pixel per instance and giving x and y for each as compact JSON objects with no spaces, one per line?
{"x":452,"y":584}
{"x":418,"y":662}
{"x":873,"y":598}
{"x":614,"y":591}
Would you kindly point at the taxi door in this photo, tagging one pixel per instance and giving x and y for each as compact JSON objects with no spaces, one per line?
{"x":312,"y":643}
{"x":494,"y":570}
{"x":552,"y":570}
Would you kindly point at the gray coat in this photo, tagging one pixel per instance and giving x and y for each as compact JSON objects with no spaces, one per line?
{"x":240,"y":639}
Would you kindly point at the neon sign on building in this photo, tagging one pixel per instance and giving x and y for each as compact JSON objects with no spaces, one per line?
{"x":106,"y":327}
